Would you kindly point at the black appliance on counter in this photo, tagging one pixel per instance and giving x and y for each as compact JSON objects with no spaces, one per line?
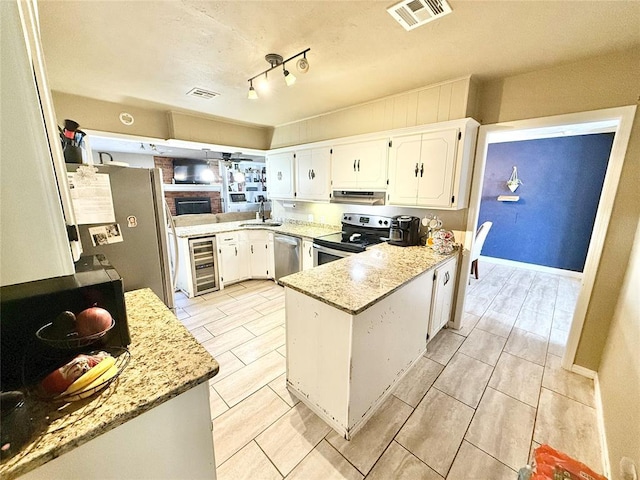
{"x":404,"y":231}
{"x":27,"y":307}
{"x":358,"y":232}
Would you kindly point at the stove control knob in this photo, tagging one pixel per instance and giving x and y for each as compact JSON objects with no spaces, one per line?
{"x":380,"y":222}
{"x":386,"y":222}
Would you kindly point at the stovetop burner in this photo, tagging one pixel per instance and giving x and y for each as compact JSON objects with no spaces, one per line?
{"x":358,"y":232}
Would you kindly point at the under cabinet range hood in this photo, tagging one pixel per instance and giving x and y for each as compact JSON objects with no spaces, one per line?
{"x":357,"y":197}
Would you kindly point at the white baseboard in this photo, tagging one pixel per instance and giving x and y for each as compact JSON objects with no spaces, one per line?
{"x":604,"y":449}
{"x":531,"y":266}
{"x":585,"y":372}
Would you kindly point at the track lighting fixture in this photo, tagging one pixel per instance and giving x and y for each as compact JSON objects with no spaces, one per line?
{"x":275,"y":61}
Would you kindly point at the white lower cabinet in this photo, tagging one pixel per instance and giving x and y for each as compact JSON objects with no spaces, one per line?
{"x":444,"y":285}
{"x":232,"y":258}
{"x":307,"y":254}
{"x":260,"y":251}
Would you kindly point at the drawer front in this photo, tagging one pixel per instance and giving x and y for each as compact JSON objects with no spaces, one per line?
{"x":227,"y":238}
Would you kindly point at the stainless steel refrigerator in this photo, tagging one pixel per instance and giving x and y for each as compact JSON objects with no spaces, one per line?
{"x":139,"y":250}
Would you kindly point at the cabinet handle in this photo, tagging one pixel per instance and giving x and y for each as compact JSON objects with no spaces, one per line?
{"x":421,"y":169}
{"x":309,"y":174}
{"x":358,"y":164}
{"x":236,"y":251}
{"x":251,"y":248}
{"x":313,"y":174}
{"x":415,"y":172}
{"x":354,"y":165}
{"x":446,"y":278}
{"x":310,"y":251}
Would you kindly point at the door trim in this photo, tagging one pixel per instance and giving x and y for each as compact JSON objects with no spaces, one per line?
{"x":618,"y":120}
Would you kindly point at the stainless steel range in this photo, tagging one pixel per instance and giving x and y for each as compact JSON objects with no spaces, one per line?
{"x":358,"y":232}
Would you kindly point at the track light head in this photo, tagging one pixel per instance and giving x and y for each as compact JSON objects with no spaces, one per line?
{"x":289,"y":78}
{"x":303,"y":64}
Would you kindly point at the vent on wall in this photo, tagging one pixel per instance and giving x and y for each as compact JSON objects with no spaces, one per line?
{"x":413,"y":13}
{"x":202,"y":93}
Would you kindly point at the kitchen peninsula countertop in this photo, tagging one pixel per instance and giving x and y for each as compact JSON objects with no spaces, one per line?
{"x":353,"y":284}
{"x":298,"y":229}
{"x":165,"y":361}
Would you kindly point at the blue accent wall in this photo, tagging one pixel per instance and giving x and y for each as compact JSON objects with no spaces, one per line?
{"x":552,"y":222}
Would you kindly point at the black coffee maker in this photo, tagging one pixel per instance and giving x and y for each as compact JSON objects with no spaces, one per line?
{"x":404,"y":231}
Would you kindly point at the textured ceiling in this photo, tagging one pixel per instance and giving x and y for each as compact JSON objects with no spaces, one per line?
{"x":150,"y":53}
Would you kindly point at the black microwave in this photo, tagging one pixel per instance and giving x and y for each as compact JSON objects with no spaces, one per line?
{"x":28,"y":307}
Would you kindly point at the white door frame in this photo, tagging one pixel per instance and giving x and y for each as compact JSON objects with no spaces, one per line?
{"x":618,"y":120}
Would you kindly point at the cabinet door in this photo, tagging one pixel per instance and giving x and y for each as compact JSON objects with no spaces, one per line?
{"x":444,"y":286}
{"x":404,"y":169}
{"x":313,"y":180}
{"x":307,"y":254}
{"x":229,"y":265}
{"x":437,"y":161}
{"x":361,"y":165}
{"x":371,"y":168}
{"x":344,"y":160}
{"x":280,"y":175}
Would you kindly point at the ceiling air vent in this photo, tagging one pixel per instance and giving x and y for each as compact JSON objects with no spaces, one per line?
{"x":413,"y":13}
{"x":202,"y":93}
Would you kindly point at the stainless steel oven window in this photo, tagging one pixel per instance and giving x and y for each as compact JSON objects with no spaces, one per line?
{"x":322,"y":255}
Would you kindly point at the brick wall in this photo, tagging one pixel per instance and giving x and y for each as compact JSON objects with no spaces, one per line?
{"x":166,"y":164}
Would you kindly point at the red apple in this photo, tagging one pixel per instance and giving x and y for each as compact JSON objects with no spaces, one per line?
{"x":92,"y":320}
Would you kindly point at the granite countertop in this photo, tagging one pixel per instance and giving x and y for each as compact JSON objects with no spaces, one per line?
{"x":298,"y":229}
{"x":165,"y":361}
{"x":353,"y":284}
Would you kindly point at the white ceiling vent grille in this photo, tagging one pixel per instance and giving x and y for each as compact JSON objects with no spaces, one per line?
{"x":413,"y":13}
{"x":202,"y":93}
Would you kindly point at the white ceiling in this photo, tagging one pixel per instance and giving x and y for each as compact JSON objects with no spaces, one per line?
{"x":150,"y":53}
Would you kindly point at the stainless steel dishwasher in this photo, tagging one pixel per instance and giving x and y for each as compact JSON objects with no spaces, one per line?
{"x":287,"y":255}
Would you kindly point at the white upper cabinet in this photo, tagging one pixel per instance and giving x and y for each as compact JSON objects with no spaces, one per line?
{"x":433,"y":168}
{"x":360,"y":166}
{"x":313,"y":179}
{"x":280,"y":175}
{"x":421,"y":169}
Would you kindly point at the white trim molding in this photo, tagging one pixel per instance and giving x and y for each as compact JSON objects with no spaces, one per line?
{"x":604,"y":448}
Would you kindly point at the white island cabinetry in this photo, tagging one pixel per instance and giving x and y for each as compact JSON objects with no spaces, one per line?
{"x":344,"y":365}
{"x":444,"y":285}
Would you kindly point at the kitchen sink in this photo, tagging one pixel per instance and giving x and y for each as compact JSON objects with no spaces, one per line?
{"x":261,"y":224}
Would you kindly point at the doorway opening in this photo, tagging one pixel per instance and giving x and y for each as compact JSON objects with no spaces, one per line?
{"x":615,"y":120}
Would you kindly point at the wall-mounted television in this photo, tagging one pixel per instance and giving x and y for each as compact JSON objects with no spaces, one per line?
{"x":192,"y":171}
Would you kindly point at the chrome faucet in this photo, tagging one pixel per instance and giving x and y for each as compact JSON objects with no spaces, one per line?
{"x":261,"y":211}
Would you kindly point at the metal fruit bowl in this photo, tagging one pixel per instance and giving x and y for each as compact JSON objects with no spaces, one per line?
{"x":66,"y":338}
{"x":122,"y":360}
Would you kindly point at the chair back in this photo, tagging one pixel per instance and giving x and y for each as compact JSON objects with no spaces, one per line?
{"x":481,"y":236}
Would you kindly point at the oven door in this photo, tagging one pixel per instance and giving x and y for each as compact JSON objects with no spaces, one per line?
{"x":322,"y":254}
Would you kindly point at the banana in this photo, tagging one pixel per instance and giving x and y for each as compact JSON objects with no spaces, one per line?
{"x":87,"y":378}
{"x":110,"y":373}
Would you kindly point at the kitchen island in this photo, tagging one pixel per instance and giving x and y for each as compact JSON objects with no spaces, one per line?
{"x":355,"y":327}
{"x":152,"y":422}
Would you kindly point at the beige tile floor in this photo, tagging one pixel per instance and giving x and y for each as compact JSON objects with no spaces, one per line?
{"x":472,"y":408}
